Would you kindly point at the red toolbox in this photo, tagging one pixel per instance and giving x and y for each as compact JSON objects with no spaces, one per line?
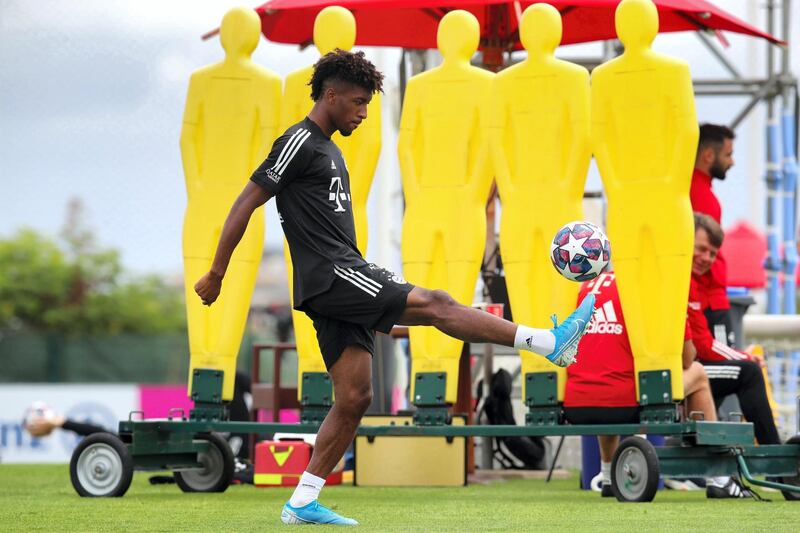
{"x":281,"y":463}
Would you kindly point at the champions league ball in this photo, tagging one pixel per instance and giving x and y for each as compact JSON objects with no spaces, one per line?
{"x":580,"y":251}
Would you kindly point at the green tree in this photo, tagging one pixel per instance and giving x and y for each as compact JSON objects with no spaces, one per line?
{"x":71,"y":285}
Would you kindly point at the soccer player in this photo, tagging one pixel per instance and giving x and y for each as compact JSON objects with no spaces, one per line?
{"x":714,"y":159}
{"x":601,"y":386}
{"x":346,"y":297}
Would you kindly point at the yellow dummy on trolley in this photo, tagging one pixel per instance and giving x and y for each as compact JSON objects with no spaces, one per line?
{"x":334,"y":27}
{"x":644,"y":133}
{"x":443,"y":150}
{"x":230,"y":121}
{"x":541,"y":148}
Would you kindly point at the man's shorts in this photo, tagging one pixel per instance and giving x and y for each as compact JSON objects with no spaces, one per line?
{"x":360,"y":301}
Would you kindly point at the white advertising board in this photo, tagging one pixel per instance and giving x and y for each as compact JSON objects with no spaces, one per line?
{"x":101,"y":405}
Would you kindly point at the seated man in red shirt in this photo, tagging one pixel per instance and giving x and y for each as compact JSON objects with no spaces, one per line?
{"x":729,"y":371}
{"x":600,"y":386}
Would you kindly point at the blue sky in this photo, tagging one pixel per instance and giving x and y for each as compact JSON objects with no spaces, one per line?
{"x":92,"y":94}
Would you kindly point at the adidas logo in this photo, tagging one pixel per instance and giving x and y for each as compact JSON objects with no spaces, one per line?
{"x":333,"y":165}
{"x":605,"y":321}
{"x":529,"y":342}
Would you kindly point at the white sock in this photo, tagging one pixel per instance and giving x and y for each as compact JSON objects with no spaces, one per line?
{"x":605,"y":469}
{"x":541,"y":341}
{"x":307,"y":490}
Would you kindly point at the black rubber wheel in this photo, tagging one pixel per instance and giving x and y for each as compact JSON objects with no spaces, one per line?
{"x":101,"y":466}
{"x":795,"y":479}
{"x":634,"y":471}
{"x":218,"y":466}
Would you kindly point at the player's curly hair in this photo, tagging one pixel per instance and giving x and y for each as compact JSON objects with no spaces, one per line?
{"x":349,"y":67}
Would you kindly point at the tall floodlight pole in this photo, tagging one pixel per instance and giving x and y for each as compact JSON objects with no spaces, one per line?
{"x":773,"y":178}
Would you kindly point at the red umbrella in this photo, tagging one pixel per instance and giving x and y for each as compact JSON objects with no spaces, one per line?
{"x":413,"y":23}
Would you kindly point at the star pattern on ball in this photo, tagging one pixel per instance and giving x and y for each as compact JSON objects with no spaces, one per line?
{"x":574,"y":247}
{"x":580,"y":251}
{"x":597,"y":267}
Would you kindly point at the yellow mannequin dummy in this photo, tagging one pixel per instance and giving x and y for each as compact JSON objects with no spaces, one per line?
{"x":334,"y":27}
{"x":644,"y":133}
{"x":443,"y":149}
{"x":230,"y":120}
{"x":540,"y":141}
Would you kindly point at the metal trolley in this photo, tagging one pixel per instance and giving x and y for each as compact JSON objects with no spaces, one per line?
{"x":102,"y":465}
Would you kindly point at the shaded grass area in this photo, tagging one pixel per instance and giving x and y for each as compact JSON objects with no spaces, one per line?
{"x":40,"y":497}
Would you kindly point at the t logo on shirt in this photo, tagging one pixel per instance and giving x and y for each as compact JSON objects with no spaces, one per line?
{"x":337,"y":194}
{"x":600,"y":282}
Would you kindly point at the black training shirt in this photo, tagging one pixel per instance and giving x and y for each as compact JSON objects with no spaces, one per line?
{"x":306,"y":173}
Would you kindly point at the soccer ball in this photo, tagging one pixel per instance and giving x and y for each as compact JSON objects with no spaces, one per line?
{"x":580,"y":251}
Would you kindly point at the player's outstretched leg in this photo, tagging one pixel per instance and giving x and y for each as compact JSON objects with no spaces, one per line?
{"x":437,"y":308}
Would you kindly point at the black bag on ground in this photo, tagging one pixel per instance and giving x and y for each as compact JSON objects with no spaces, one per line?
{"x":512,"y":452}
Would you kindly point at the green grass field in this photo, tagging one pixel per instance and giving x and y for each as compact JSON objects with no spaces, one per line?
{"x":41,"y":498}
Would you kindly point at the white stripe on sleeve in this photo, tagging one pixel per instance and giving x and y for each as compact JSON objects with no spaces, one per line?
{"x":287,"y":148}
{"x":297,"y":146}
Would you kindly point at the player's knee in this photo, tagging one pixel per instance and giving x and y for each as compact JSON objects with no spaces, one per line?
{"x":702,"y":377}
{"x":356,"y":400}
{"x":363,"y":400}
{"x":704,"y":382}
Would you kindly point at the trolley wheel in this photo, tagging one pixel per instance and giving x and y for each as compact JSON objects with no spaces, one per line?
{"x":795,"y":479}
{"x":634,"y":471}
{"x":101,"y":466}
{"x":217,"y":471}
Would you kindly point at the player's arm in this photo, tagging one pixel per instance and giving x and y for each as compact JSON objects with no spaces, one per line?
{"x":708,"y":348}
{"x":251,"y":198}
{"x":289,"y":157}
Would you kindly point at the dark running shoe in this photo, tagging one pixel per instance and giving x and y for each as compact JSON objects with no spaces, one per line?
{"x":732,"y":489}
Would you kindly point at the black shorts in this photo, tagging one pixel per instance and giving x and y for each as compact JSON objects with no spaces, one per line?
{"x":601,"y":415}
{"x":360,"y":301}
